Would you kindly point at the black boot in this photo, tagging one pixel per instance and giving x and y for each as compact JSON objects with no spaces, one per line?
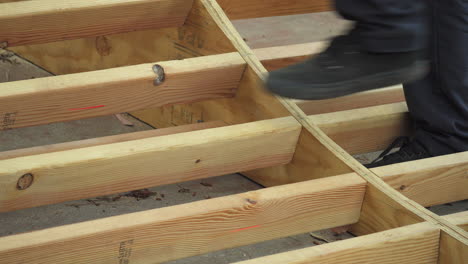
{"x":409,"y":150}
{"x":344,"y":69}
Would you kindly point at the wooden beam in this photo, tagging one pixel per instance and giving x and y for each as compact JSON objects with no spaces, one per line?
{"x":452,"y":250}
{"x":417,"y":243}
{"x":33,"y":22}
{"x":100,"y":170}
{"x":198,"y":36}
{"x":367,"y":129}
{"x":410,"y":244}
{"x":378,"y":97}
{"x":427,"y":182}
{"x":180,"y":231}
{"x":89,"y":94}
{"x":107,"y":140}
{"x":430,"y":181}
{"x":459,"y":219}
{"x":240,"y":9}
{"x":274,"y":58}
{"x":442,"y":177}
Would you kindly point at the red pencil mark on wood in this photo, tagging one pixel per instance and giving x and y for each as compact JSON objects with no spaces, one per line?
{"x":85,"y":108}
{"x":245,"y":228}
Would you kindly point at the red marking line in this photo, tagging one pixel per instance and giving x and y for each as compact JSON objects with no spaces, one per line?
{"x":84,"y":108}
{"x":245,"y":228}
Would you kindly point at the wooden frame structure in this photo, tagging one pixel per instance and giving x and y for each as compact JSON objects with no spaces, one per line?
{"x":213,"y":119}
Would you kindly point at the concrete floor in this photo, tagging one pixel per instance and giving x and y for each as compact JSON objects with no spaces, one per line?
{"x":259,"y":33}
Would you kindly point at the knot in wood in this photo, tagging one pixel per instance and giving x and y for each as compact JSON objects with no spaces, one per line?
{"x":251,"y":201}
{"x":160,"y":75}
{"x":25,"y":181}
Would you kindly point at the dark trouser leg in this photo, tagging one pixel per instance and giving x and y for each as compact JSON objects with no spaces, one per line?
{"x":439,"y":103}
{"x":387,"y":25}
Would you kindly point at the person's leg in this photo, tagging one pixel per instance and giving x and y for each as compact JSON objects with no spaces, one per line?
{"x":384,"y":49}
{"x":439,"y":103}
{"x":387,"y":25}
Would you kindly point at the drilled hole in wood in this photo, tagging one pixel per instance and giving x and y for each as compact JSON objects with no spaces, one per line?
{"x":25,"y":181}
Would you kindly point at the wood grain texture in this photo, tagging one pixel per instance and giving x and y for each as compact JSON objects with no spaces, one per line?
{"x":452,"y":251}
{"x":89,"y":94}
{"x":459,"y":219}
{"x":107,"y":140}
{"x":112,"y":168}
{"x":393,"y":94}
{"x":396,"y":201}
{"x":367,"y":129}
{"x":431,"y":181}
{"x":274,"y":58}
{"x":44,"y":21}
{"x":406,"y":245}
{"x":174,"y":232}
{"x":198,"y":36}
{"x":380,"y":212}
{"x":239,"y":9}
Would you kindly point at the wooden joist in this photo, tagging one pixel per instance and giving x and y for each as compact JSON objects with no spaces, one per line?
{"x":104,"y":92}
{"x":105,"y":169}
{"x":107,"y":140}
{"x":417,"y":243}
{"x":55,"y":20}
{"x":443,"y":177}
{"x":430,"y":181}
{"x":190,"y":229}
{"x":239,"y":9}
{"x":366,"y":129}
{"x":89,"y":94}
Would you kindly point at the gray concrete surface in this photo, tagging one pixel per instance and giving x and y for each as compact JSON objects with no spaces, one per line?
{"x":259,"y":33}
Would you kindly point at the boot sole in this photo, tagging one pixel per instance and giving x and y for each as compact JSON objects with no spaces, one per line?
{"x":304,"y":91}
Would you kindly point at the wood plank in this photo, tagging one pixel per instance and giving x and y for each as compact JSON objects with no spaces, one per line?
{"x":107,"y":140}
{"x":136,"y":164}
{"x":393,"y":94}
{"x":239,"y":9}
{"x":452,"y":250}
{"x":89,"y":94}
{"x":367,"y":129}
{"x":274,"y":58}
{"x":198,"y":36}
{"x":395,"y":203}
{"x":55,"y":20}
{"x":411,"y":244}
{"x":431,"y":181}
{"x":459,"y":219}
{"x":175,"y":232}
